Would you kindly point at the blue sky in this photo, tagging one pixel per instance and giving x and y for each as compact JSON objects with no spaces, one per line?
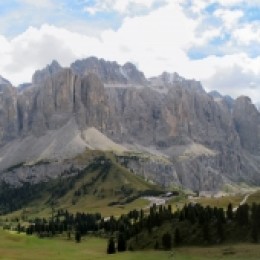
{"x":18,"y":15}
{"x":209,"y":40}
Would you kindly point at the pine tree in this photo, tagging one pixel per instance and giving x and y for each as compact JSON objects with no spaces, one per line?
{"x":78,"y":236}
{"x":156,"y":245}
{"x":220,"y":231}
{"x":221,"y":215}
{"x":242,"y":214}
{"x":254,"y":233}
{"x":167,"y":241}
{"x":170,"y":209}
{"x":111,"y":248}
{"x":206,"y":233}
{"x":121,"y":243}
{"x":177,"y":237}
{"x":19,"y":228}
{"x":230,"y":211}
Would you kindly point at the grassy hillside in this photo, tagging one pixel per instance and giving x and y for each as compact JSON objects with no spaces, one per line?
{"x":221,"y":202}
{"x":103,"y":186}
{"x":254,"y":198}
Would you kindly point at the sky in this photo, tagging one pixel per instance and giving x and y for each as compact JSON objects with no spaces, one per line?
{"x":214,"y":41}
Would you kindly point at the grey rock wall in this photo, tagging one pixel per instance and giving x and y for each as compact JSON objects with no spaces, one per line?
{"x":205,"y":141}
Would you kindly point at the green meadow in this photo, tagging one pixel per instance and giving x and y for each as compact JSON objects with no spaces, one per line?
{"x":21,"y":246}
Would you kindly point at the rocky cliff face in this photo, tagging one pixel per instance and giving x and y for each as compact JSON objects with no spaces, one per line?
{"x":8,"y":112}
{"x":247,"y":123}
{"x":186,"y":136}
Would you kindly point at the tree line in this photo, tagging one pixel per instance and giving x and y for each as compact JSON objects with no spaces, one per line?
{"x":157,"y":228}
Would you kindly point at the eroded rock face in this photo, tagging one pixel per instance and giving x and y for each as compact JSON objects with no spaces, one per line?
{"x":8,"y":112}
{"x":247,"y":122}
{"x":48,"y":105}
{"x":170,"y":122}
{"x":199,"y":140}
{"x":59,"y":98}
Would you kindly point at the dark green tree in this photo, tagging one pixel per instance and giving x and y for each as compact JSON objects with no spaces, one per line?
{"x":18,"y":227}
{"x":206,"y":232}
{"x":177,"y":237}
{"x":121,"y":243}
{"x":156,"y":245}
{"x":167,"y":241}
{"x":221,"y":215}
{"x":220,"y":231}
{"x":78,"y":236}
{"x":111,"y":248}
{"x":230,"y":214}
{"x":254,"y":233}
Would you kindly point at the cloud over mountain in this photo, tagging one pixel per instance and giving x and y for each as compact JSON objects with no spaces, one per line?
{"x":199,"y":39}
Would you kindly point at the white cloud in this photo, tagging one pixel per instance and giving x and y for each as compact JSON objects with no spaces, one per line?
{"x":152,"y":42}
{"x":247,"y":34}
{"x":5,"y":47}
{"x":236,"y":81}
{"x":35,"y":48}
{"x":230,"y":18}
{"x":198,"y":5}
{"x":38,"y":3}
{"x":120,"y":6}
{"x":238,"y":2}
{"x":204,"y":37}
{"x":230,"y":2}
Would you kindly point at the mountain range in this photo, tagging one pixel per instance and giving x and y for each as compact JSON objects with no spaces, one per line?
{"x":167,"y":129}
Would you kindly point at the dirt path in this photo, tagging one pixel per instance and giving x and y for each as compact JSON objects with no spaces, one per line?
{"x":243,"y":201}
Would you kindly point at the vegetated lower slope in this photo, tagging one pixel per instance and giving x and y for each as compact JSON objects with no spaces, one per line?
{"x":160,"y":228}
{"x":103,"y":186}
{"x":254,"y":197}
{"x":195,"y":225}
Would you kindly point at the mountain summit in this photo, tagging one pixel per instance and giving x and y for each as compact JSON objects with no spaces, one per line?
{"x":166,"y":128}
{"x":109,"y":72}
{"x":4,"y":81}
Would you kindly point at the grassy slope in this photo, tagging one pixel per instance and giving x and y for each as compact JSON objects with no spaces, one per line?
{"x":105,"y":181}
{"x":105,"y":190}
{"x":222,"y":202}
{"x":20,"y":246}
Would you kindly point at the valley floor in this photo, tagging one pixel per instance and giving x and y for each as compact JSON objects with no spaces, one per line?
{"x":20,"y":246}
